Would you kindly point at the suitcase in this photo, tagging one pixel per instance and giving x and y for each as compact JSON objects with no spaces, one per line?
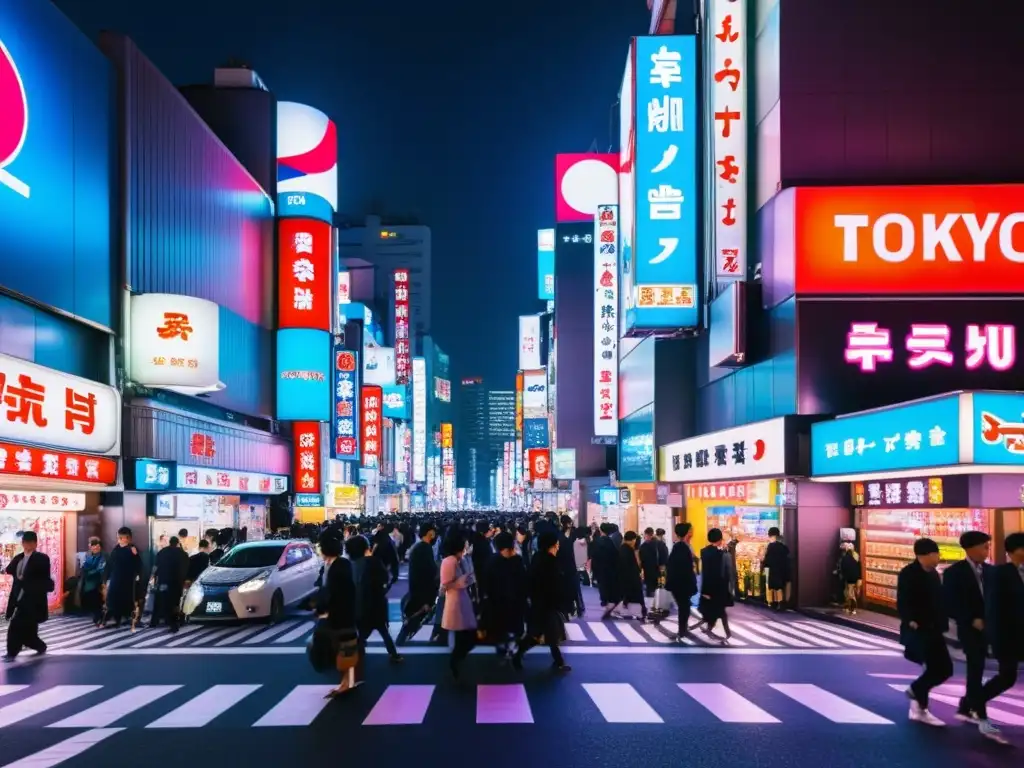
{"x":660,"y":607}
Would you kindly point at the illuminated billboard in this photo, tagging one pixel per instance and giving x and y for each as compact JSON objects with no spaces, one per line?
{"x":584,"y":181}
{"x":546,"y":264}
{"x":304,"y":274}
{"x":419,"y":420}
{"x":606,"y":321}
{"x":307,"y":162}
{"x":529,"y":342}
{"x":403,"y":344}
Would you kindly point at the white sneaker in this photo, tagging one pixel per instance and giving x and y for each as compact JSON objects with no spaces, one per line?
{"x":920,"y":715}
{"x":991,"y":731}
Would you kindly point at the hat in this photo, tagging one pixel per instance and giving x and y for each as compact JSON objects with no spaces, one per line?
{"x":974,"y":538}
{"x":925,"y":547}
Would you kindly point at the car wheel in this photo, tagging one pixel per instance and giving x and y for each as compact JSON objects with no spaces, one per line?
{"x":276,"y":607}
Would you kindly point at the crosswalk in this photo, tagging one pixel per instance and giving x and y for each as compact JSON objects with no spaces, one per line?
{"x":256,"y":705}
{"x":70,"y":634}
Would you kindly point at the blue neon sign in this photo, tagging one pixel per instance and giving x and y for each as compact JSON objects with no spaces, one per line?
{"x":396,"y":401}
{"x":303,"y":375}
{"x":546,"y":264}
{"x":915,"y":436}
{"x":998,"y":428}
{"x":347,"y":371}
{"x":664,"y":254}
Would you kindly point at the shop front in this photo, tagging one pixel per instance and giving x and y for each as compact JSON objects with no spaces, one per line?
{"x":742,"y":481}
{"x":59,"y":443}
{"x":190,"y":473}
{"x":932,"y":468}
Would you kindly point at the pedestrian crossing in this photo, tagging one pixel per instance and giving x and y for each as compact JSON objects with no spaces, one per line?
{"x":70,"y":634}
{"x":183,"y":706}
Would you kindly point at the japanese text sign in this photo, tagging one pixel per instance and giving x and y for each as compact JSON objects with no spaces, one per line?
{"x":344,"y":288}
{"x":909,"y":240}
{"x":304,"y":274}
{"x":447,"y":435}
{"x":914,"y":436}
{"x":749,"y":492}
{"x":56,"y":465}
{"x":403,"y":344}
{"x":175,"y":342}
{"x":606,"y":321}
{"x":38,"y":501}
{"x":372,"y":429}
{"x":912,"y":493}
{"x":202,"y":445}
{"x":529,"y":342}
{"x":207,"y":480}
{"x":861,"y":354}
{"x":728,"y":85}
{"x":346,"y":405}
{"x":307,"y":456}
{"x":753,"y":450}
{"x":442,"y":390}
{"x":43,"y":406}
{"x":667,"y":205}
{"x":546,"y":264}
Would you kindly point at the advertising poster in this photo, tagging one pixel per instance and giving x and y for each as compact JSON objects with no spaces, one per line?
{"x":307,"y":162}
{"x":419,"y":420}
{"x":305,"y":299}
{"x":371,"y":433}
{"x":175,"y":343}
{"x":529,"y":342}
{"x":403,"y":345}
{"x":304,"y":377}
{"x":346,"y":405}
{"x":606,"y":321}
{"x":546,"y":264}
{"x":535,"y":433}
{"x":379,"y":366}
{"x":308,"y":475}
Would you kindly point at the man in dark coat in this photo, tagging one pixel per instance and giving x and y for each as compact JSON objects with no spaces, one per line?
{"x":124,"y":570}
{"x":546,"y":601}
{"x":371,"y":583}
{"x":681,"y":578}
{"x":1004,"y":621}
{"x":505,"y":587}
{"x":717,"y":583}
{"x":26,"y":604}
{"x":423,"y":582}
{"x":629,"y":574}
{"x":923,"y":624}
{"x":172,"y":566}
{"x":963,"y":584}
{"x":198,"y":563}
{"x":571,"y":589}
{"x":650,"y":562}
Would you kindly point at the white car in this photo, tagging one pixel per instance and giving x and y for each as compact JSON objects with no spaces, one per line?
{"x":260,"y":579}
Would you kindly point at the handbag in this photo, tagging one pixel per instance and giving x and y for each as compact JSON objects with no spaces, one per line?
{"x":347,"y":656}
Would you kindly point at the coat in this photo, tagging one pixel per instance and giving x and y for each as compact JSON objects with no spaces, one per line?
{"x":423,"y":582}
{"x":717,"y":582}
{"x":632,"y":590}
{"x":776,"y":562}
{"x":28,"y":595}
{"x":962,"y":593}
{"x":1005,"y":616}
{"x":124,"y":570}
{"x":370,"y":577}
{"x":680,"y":577}
{"x":919,"y":600}
{"x":605,"y":566}
{"x":651,"y":562}
{"x":456,"y":578}
{"x":505,"y":588}
{"x":337,"y":596}
{"x":546,"y":589}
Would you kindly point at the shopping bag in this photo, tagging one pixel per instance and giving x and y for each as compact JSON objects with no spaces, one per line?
{"x":662,"y":600}
{"x":322,"y":649}
{"x":347,"y":656}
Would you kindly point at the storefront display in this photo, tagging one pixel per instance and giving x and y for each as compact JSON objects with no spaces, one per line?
{"x":887,"y":542}
{"x":49,"y":528}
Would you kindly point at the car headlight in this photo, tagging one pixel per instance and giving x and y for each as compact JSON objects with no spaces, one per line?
{"x":254,"y":584}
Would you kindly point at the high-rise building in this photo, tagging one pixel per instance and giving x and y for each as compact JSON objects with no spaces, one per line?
{"x":471,"y":444}
{"x":382,"y":246}
{"x":501,"y":425}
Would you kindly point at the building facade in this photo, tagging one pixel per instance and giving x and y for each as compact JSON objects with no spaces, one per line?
{"x":472,"y":453}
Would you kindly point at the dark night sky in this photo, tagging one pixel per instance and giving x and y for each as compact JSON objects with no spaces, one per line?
{"x":445,"y":114}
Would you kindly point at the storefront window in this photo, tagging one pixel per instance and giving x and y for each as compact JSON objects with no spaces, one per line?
{"x":746,"y":531}
{"x":49,"y":528}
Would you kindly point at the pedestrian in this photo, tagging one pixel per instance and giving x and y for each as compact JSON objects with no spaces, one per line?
{"x":459,"y":614}
{"x":545,"y":621}
{"x":572,"y":587}
{"x":849,"y":573}
{"x":423,"y":582}
{"x":1004,"y":622}
{"x":336,"y":613}
{"x":681,"y":578}
{"x":124,"y":572}
{"x":923,"y":624}
{"x":776,"y":565}
{"x":630,"y":583}
{"x":718,"y":583}
{"x":505,"y":587}
{"x":963,"y":584}
{"x":650,"y":562}
{"x":91,"y":581}
{"x":605,"y":564}
{"x":26,"y":602}
{"x":371,"y":588}
{"x":169,"y":576}
{"x":198,"y":563}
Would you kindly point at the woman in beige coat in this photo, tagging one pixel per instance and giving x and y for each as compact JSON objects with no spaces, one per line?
{"x":459,"y":616}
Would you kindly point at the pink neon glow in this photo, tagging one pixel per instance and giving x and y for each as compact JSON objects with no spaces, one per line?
{"x":867,"y":345}
{"x":928,"y":343}
{"x":995,"y":343}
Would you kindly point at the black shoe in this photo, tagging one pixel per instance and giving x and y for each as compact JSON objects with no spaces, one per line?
{"x":561,"y":668}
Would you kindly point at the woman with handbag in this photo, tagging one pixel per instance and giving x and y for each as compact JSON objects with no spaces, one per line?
{"x":459,"y":616}
{"x":335,"y":632}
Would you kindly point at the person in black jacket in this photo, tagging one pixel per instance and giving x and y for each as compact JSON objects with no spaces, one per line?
{"x":371,"y":584}
{"x":386,"y":552}
{"x":776,"y":563}
{"x":923,"y":624}
{"x":26,"y":602}
{"x":605,"y":565}
{"x":717,"y":584}
{"x":198,"y":563}
{"x":963,"y":585}
{"x":336,"y":606}
{"x":424,"y":582}
{"x":505,"y":587}
{"x":681,"y":578}
{"x":170,"y":573}
{"x":572,"y":589}
{"x":629,"y":574}
{"x":124,"y":573}
{"x":1004,"y":621}
{"x":650,"y":562}
{"x":546,"y":600}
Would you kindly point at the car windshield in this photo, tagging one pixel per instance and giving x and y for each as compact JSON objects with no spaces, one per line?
{"x":251,"y":557}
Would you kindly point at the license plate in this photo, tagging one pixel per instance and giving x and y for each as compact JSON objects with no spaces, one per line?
{"x":214,"y":607}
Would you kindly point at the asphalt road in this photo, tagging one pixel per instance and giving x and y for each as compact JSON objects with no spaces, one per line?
{"x":729,"y":708}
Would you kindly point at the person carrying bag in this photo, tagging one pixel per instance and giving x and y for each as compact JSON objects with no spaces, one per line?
{"x":335,"y":641}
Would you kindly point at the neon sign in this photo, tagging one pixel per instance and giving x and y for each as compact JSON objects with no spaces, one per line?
{"x":868,"y":345}
{"x":14,"y":127}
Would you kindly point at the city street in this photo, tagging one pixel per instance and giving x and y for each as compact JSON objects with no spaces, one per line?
{"x":702,"y":707}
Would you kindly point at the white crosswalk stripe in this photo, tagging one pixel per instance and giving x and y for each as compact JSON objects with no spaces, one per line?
{"x":64,"y":750}
{"x":97,"y":707}
{"x":776,"y":634}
